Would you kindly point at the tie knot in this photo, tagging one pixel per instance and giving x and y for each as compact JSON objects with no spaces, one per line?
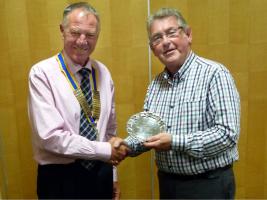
{"x":84,"y":72}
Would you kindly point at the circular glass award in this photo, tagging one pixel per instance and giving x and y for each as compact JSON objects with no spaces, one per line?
{"x":144,"y":124}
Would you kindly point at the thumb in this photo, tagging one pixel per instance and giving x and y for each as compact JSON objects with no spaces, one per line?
{"x":118,"y":142}
{"x":152,"y":139}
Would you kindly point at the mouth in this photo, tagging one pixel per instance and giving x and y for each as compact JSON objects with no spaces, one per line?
{"x":81,"y":49}
{"x":168,"y":52}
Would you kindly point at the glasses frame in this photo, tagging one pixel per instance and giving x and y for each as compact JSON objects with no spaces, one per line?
{"x":158,"y":38}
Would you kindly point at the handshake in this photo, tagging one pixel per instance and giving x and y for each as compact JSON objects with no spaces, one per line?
{"x":119,"y":150}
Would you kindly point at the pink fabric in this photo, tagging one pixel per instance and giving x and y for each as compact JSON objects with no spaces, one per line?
{"x":54,"y":114}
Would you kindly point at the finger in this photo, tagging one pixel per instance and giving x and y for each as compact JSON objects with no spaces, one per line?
{"x":117,"y":143}
{"x":121,"y":156}
{"x":118,"y":157}
{"x":114,"y":162}
{"x":124,"y":150}
{"x":151,"y":144}
{"x":111,"y":140}
{"x":153,"y":138}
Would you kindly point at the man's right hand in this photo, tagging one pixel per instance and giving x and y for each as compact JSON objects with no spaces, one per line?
{"x":119,"y":150}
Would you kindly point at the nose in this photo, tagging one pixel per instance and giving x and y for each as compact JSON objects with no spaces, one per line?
{"x":82,"y":39}
{"x":165,"y":38}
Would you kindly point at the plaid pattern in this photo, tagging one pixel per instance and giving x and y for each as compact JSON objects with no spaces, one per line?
{"x":201,"y":108}
{"x":86,"y":129}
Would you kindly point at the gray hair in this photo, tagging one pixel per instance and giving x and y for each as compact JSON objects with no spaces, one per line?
{"x":84,"y":6}
{"x":163,"y":13}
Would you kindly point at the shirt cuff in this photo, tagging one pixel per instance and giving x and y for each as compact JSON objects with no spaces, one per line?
{"x":179,"y":142}
{"x":103,"y":151}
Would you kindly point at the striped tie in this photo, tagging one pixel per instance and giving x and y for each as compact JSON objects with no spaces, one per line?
{"x":86,"y":129}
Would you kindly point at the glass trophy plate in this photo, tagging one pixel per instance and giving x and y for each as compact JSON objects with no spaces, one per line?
{"x":144,"y":124}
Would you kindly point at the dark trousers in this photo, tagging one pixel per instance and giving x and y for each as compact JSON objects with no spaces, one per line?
{"x":73,"y":181}
{"x":216,"y":184}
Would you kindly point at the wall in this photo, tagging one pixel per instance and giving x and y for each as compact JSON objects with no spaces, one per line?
{"x":29,"y":33}
{"x":230,"y":31}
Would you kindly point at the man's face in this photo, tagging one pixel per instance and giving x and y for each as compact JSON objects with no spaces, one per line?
{"x":80,"y":35}
{"x":170,"y":42}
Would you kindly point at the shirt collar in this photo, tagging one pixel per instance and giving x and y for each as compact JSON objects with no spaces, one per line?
{"x":73,"y":67}
{"x":182,"y":71}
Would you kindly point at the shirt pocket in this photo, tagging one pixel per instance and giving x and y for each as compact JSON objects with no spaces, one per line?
{"x":193,"y":112}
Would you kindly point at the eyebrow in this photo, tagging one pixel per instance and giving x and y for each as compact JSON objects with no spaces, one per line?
{"x":160,"y":33}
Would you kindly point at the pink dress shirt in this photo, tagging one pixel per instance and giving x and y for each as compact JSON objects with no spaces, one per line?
{"x":54,"y":114}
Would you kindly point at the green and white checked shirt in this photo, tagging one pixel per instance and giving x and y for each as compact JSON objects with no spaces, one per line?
{"x":201,"y":108}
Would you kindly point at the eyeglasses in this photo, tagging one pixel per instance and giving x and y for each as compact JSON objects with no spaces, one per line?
{"x":169,"y":33}
{"x":77,"y":34}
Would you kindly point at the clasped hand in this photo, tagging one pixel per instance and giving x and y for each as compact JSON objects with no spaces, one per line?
{"x":119,"y":150}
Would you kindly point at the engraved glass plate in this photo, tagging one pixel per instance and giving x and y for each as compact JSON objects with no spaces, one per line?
{"x":144,"y":124}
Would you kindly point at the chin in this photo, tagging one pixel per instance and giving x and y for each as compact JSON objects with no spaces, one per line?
{"x":170,"y":62}
{"x":80,"y":57}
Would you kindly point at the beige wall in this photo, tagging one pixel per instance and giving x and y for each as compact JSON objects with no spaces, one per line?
{"x":230,"y":31}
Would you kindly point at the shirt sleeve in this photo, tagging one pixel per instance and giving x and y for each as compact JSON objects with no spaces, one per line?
{"x":49,"y":127}
{"x":112,"y":125}
{"x":135,"y":146}
{"x":223,"y":106}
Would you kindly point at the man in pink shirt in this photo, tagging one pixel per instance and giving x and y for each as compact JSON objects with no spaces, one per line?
{"x":55,"y":113}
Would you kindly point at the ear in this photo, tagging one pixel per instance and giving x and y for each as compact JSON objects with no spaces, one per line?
{"x":61,"y":28}
{"x":188,"y":33}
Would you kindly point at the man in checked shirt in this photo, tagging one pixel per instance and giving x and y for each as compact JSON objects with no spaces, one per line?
{"x":198,"y":100}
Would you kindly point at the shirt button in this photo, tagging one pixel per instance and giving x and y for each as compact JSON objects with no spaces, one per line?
{"x":169,"y":126}
{"x":171,"y":106}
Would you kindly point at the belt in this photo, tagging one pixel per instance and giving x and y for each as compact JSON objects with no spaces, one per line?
{"x":208,"y":174}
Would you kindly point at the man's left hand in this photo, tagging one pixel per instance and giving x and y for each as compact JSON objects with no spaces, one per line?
{"x":159,"y":142}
